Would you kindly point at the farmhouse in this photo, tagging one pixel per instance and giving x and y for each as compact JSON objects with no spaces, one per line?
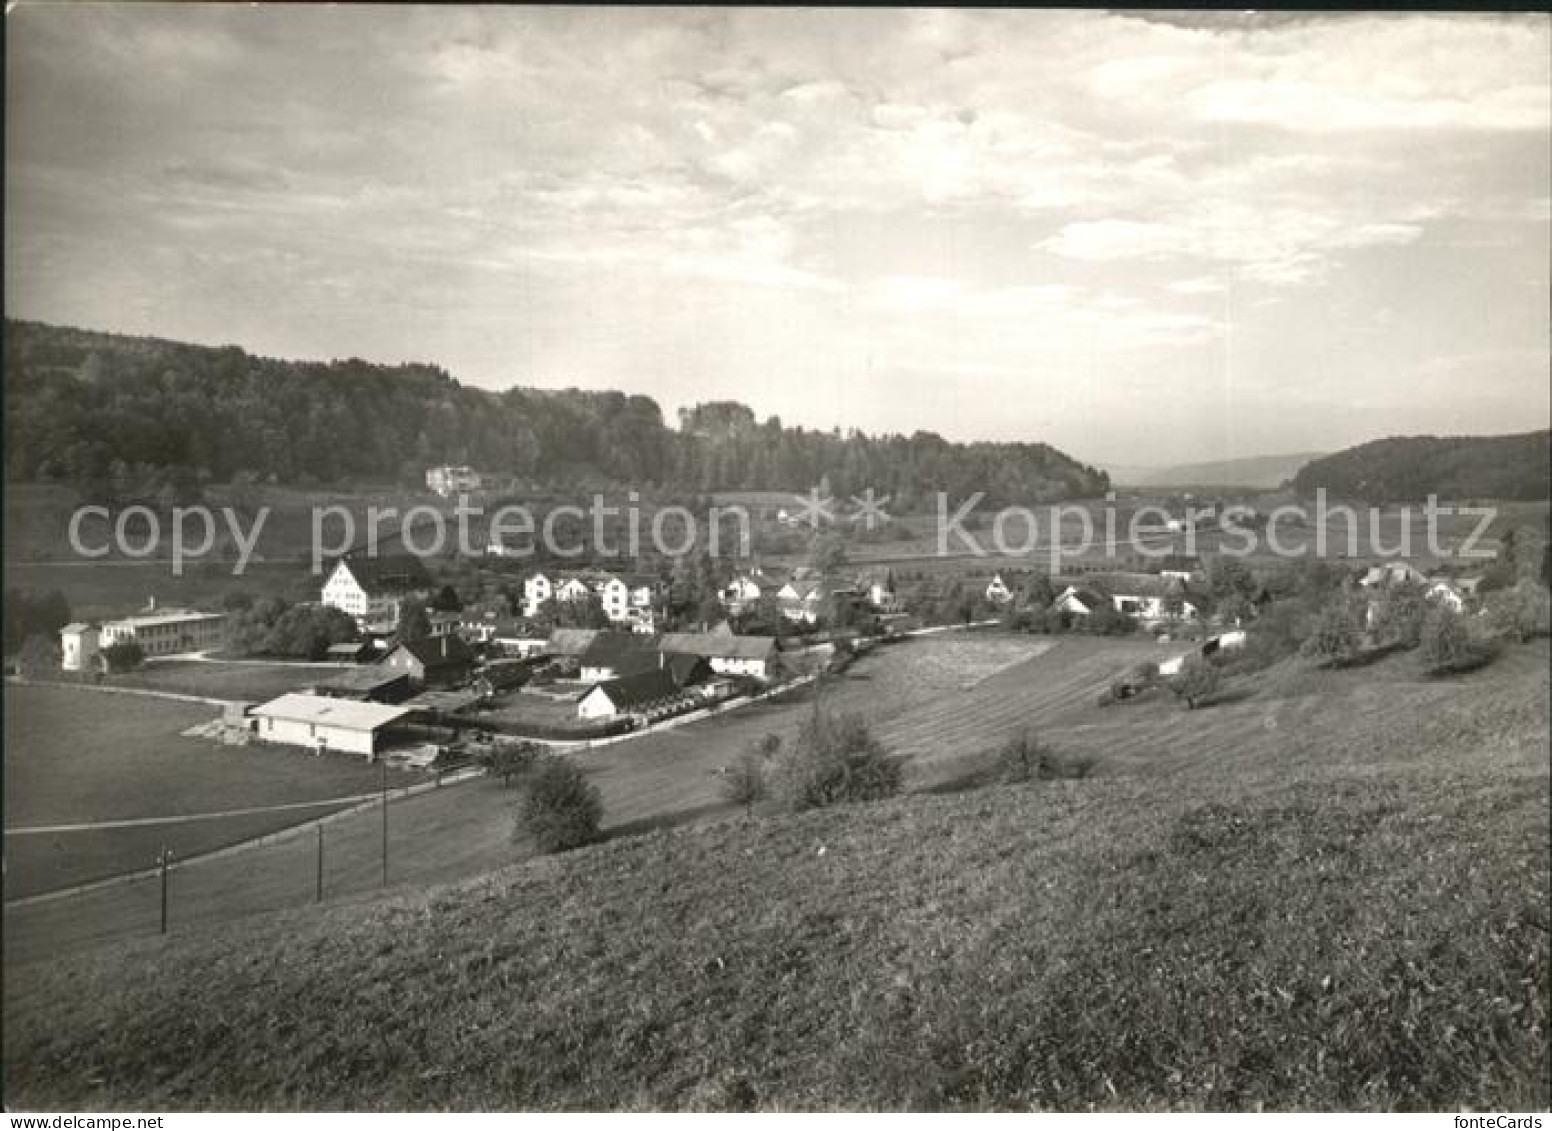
{"x":997,"y":590}
{"x":370,"y":589}
{"x":167,"y":632}
{"x":436,"y":661}
{"x":1080,"y":602}
{"x":321,"y":723}
{"x":1146,"y":596}
{"x":728,"y":654}
{"x":629,"y":695}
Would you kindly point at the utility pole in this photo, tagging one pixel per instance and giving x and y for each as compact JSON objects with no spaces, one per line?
{"x":385,"y":823}
{"x":320,"y":862}
{"x":163,"y":860}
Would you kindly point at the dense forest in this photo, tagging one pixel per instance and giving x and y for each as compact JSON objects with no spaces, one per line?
{"x":88,"y":408}
{"x":1410,"y":468}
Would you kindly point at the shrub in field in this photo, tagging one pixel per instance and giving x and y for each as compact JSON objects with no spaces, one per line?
{"x":1337,"y":634}
{"x":1025,"y":758}
{"x":835,"y":759}
{"x":508,"y":760}
{"x":562,"y":809}
{"x":1196,"y":680}
{"x":1398,"y":614}
{"x":38,"y":657}
{"x":747,"y":781}
{"x":1448,"y":644}
{"x":1519,"y":612}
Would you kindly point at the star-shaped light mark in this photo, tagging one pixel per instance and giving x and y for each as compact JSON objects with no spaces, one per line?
{"x":870,"y":509}
{"x":814,"y":508}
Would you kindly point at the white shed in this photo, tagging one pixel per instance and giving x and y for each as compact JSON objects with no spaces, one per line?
{"x":320,"y":723}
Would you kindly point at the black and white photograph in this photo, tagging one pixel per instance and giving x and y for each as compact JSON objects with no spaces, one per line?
{"x":585,"y":558}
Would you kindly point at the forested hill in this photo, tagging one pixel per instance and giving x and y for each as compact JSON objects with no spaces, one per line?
{"x":1410,"y":468}
{"x":84,"y":407}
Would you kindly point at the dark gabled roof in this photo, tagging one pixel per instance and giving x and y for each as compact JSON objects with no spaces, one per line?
{"x":436,"y":651}
{"x":633,"y":691}
{"x":363,"y":679}
{"x":392,"y":573}
{"x":686,"y":669}
{"x":716,"y":645}
{"x":622,"y":651}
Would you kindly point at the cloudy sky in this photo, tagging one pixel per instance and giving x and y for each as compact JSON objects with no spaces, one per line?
{"x":1145,"y":240}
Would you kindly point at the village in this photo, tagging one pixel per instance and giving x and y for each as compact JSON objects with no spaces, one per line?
{"x":585,"y":655}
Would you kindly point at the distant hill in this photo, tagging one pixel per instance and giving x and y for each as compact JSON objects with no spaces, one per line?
{"x":1253,"y":471}
{"x":93,"y":409}
{"x":1410,"y":468}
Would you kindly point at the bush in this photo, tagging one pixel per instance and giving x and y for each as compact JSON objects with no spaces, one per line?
{"x":835,"y":759}
{"x":508,"y":760}
{"x":38,"y":657}
{"x":1449,"y":645}
{"x":746,"y":782}
{"x":1337,"y":634}
{"x":124,"y":656}
{"x":1519,"y":612}
{"x":1398,"y":615}
{"x":562,"y":809}
{"x":1025,"y":758}
{"x":1197,"y":679}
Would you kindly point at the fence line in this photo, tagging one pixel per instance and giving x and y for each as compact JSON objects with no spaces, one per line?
{"x":279,"y":836}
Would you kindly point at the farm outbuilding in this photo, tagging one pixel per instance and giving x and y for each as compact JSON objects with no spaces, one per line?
{"x":321,"y":723}
{"x":632,"y":694}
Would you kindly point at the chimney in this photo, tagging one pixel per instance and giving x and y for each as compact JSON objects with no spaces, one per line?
{"x":151,"y":603}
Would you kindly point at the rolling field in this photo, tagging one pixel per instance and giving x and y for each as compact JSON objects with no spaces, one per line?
{"x":1318,"y":933}
{"x":76,"y":756}
{"x":945,"y":702}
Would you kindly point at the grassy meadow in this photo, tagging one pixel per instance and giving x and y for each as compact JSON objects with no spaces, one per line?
{"x":1344,"y":909}
{"x":76,"y":756}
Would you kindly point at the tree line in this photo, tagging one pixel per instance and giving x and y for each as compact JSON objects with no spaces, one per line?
{"x":99,"y":411}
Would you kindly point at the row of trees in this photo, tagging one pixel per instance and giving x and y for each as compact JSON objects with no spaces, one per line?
{"x":273,"y":626}
{"x":113,"y":414}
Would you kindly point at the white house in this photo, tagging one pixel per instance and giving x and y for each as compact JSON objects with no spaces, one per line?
{"x":166,"y":632}
{"x":626,"y":599}
{"x":537,"y":589}
{"x":370,"y":589}
{"x":321,"y":723}
{"x":641,"y":694}
{"x":79,"y":647}
{"x":997,"y":590}
{"x":1148,"y":597}
{"x":449,"y":480}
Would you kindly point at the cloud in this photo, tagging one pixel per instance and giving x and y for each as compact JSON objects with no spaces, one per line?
{"x":999,"y":192}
